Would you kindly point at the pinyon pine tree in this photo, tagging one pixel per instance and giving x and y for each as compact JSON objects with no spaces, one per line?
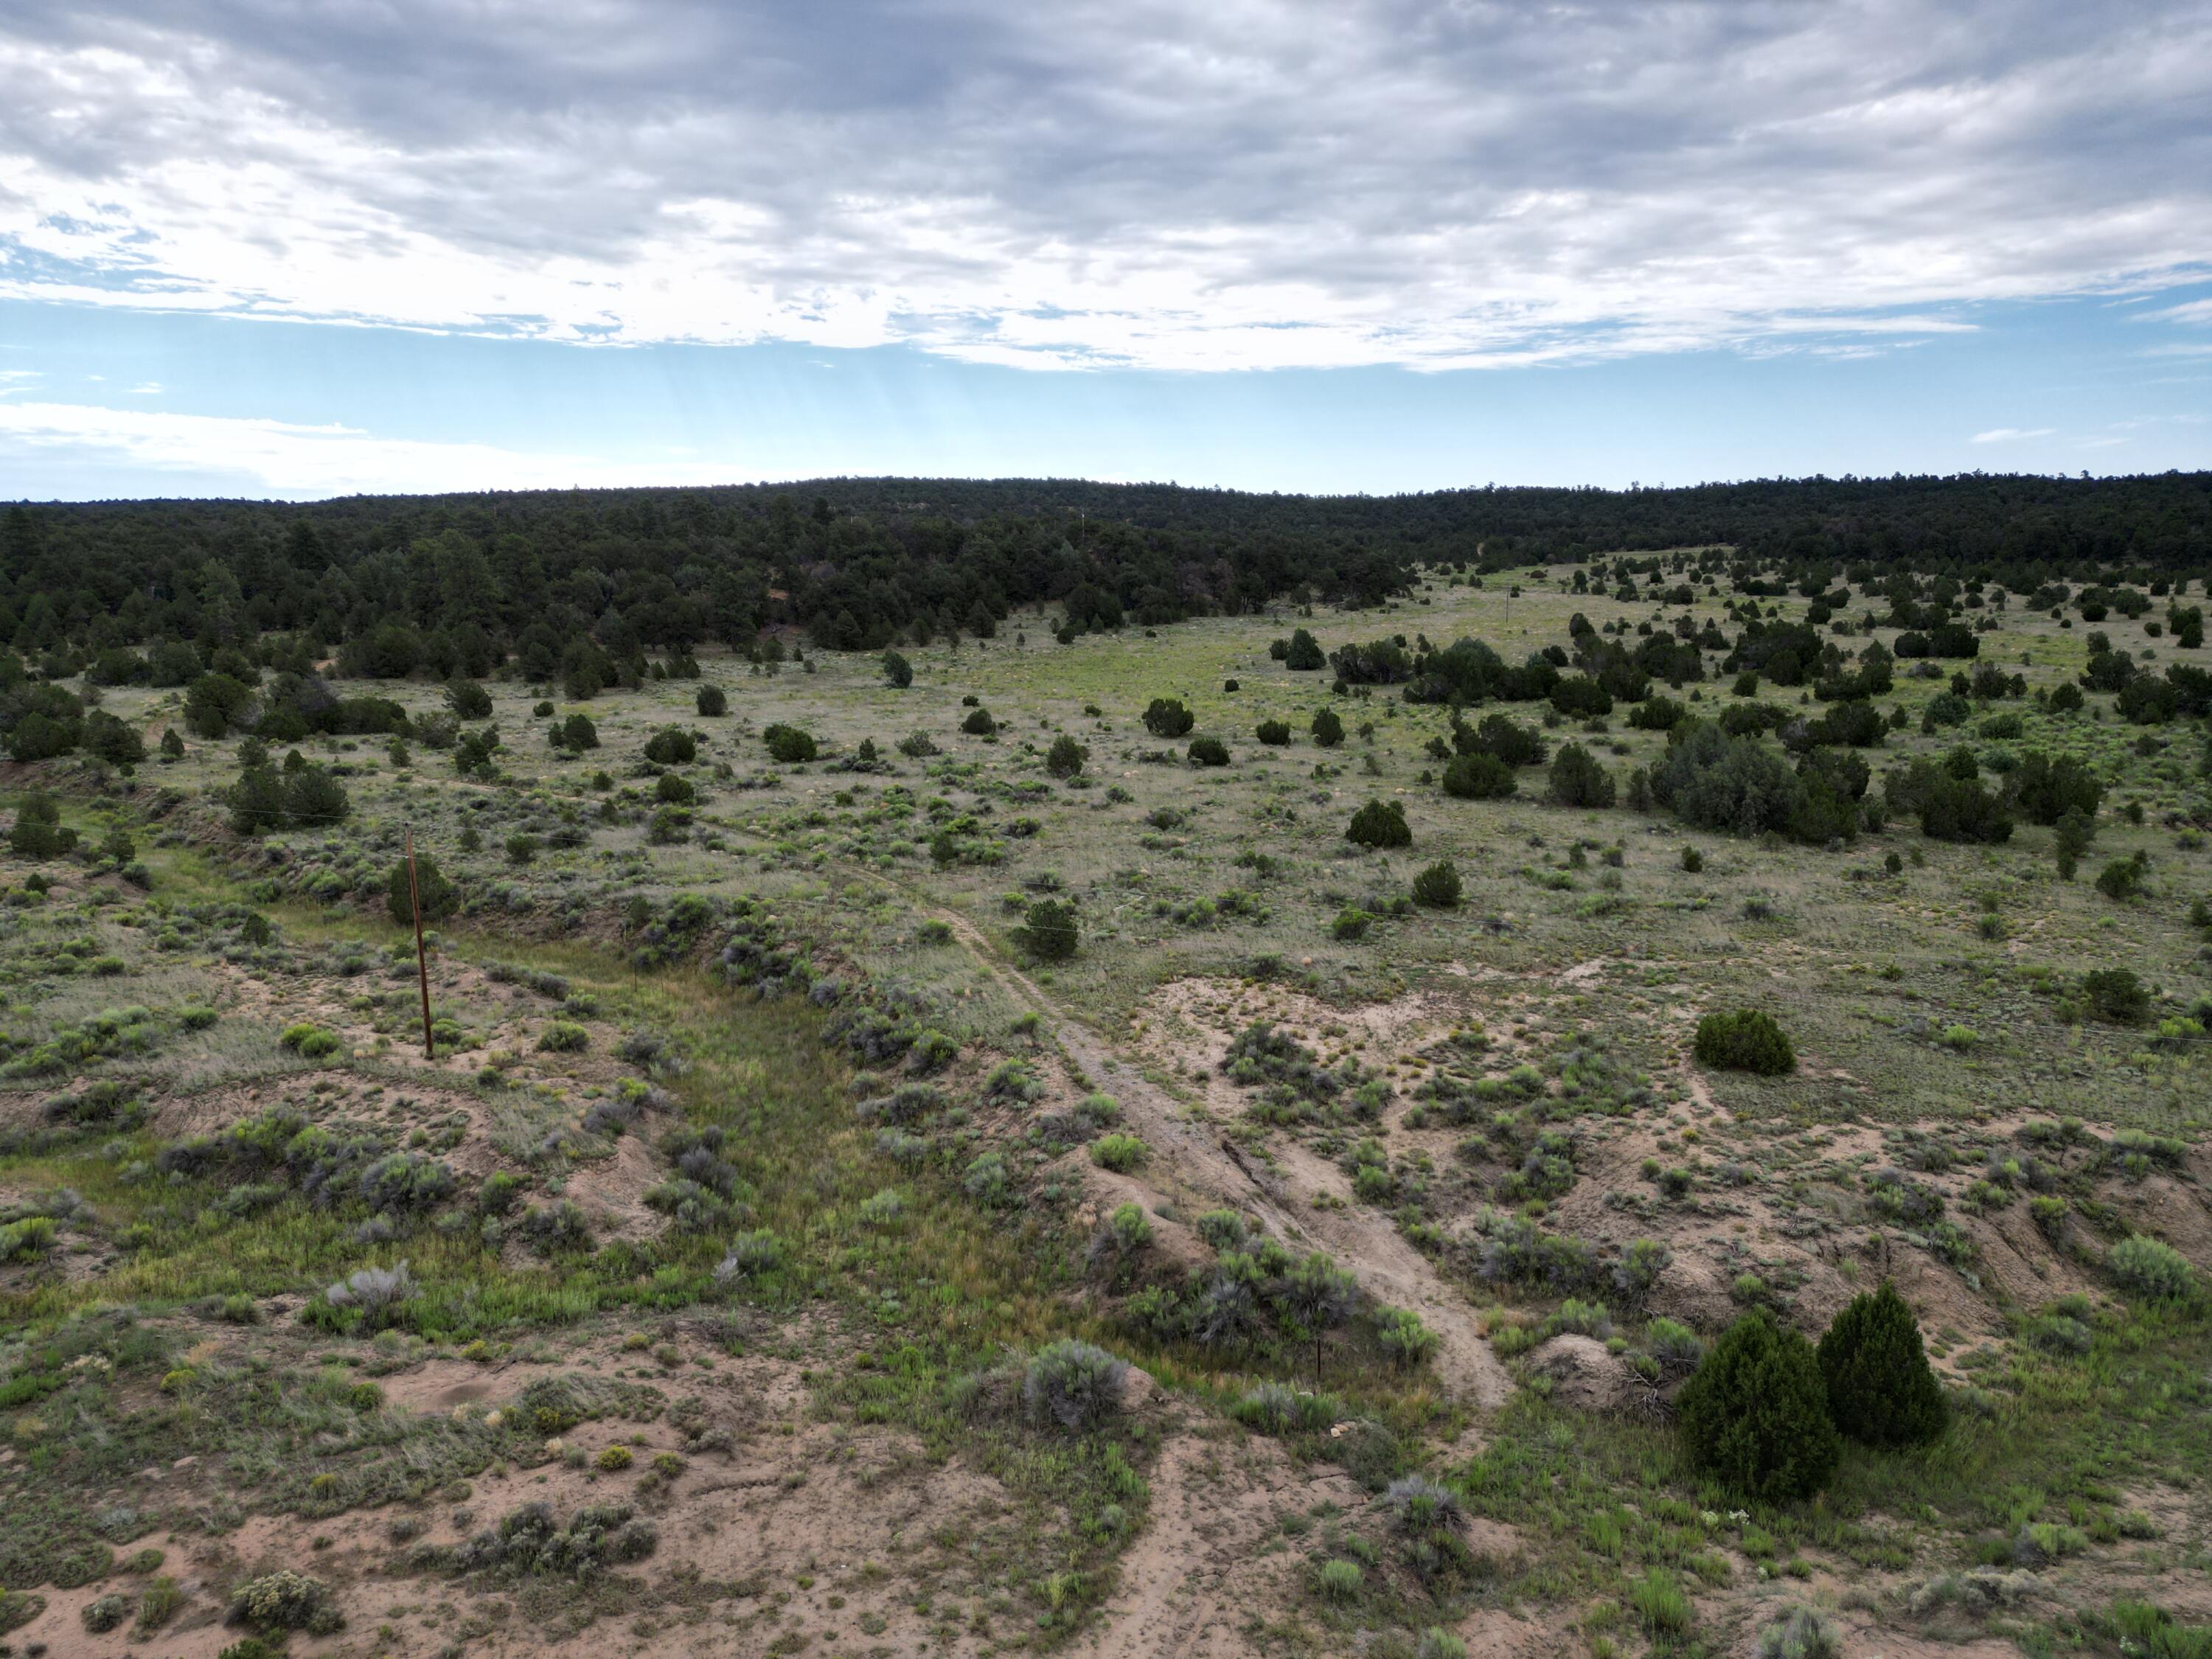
{"x":1881,"y":1391}
{"x":1756,"y":1413}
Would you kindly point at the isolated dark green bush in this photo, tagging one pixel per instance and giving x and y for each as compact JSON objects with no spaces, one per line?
{"x":577,"y":732}
{"x":38,"y":831}
{"x":1304,"y":653}
{"x":265,"y":798}
{"x":1744,"y":1040}
{"x":1438,"y":886}
{"x":1048,"y":930}
{"x":671,"y":746}
{"x":898,"y":672}
{"x":979,"y":724}
{"x":1209,"y":751}
{"x":713,"y":701}
{"x":1065,"y":758}
{"x":1328,"y":729}
{"x":2117,"y":995}
{"x":2123,"y":878}
{"x":468,"y":700}
{"x":1478,"y":777}
{"x":1274,"y":733}
{"x":1755,"y":1412}
{"x":788,"y":744}
{"x":1379,"y":823}
{"x":1880,"y":1390}
{"x":1166,"y":717}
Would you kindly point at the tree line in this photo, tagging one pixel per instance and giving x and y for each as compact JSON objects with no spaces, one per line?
{"x":451,"y":584}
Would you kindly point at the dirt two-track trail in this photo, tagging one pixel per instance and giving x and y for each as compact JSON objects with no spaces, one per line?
{"x":1184,"y":1584}
{"x":1189,"y":1584}
{"x":1194,"y":1156}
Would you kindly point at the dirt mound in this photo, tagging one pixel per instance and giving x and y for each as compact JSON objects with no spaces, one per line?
{"x":1585,"y":1376}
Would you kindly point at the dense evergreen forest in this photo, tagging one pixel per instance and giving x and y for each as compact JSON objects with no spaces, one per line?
{"x":459,"y":583}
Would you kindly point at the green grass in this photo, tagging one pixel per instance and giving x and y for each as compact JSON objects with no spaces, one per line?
{"x":1177,"y":873}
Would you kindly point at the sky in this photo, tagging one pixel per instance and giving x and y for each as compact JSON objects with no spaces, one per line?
{"x":299,"y":249}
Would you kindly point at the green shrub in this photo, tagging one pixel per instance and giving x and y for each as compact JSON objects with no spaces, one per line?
{"x":2151,"y":1632}
{"x":750,"y":1256}
{"x":1880,"y":1390}
{"x":1744,"y":1040}
{"x":1073,"y":1385}
{"x":1065,"y":758}
{"x":1756,"y":1413}
{"x":1661,"y":1607}
{"x":979,"y":724}
{"x":713,"y":701}
{"x":671,"y":746}
{"x":2117,"y":995}
{"x":2152,"y":1269}
{"x":1118,"y":1152}
{"x":1328,"y":729}
{"x":286,"y":1600}
{"x":2123,"y":878}
{"x":787,"y":745}
{"x":1222,"y":1229}
{"x":1801,"y":1633}
{"x":468,"y":700}
{"x":1274,"y":733}
{"x":1301,"y":652}
{"x":1478,"y":777}
{"x":441,"y":899}
{"x":1438,"y":886}
{"x":1350,"y":925}
{"x":1278,"y":1408}
{"x":1577,"y":780}
{"x":22,"y":1241}
{"x":1048,"y":930}
{"x":1400,"y":1332}
{"x":1209,"y":751}
{"x":898,"y":672}
{"x":1338,"y":1579}
{"x":1166,"y":717}
{"x":563,"y":1037}
{"x":312,"y":1041}
{"x":1379,"y":823}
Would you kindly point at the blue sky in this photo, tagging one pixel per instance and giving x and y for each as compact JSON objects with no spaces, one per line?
{"x":259,"y":248}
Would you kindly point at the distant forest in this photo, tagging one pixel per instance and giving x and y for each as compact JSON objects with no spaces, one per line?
{"x":460,"y":584}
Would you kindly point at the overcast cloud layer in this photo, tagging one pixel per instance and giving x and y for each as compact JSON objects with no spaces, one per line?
{"x":1242,"y":183}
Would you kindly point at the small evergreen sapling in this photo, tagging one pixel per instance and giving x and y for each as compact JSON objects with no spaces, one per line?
{"x":1379,"y":823}
{"x":1880,"y":1390}
{"x":1744,"y":1040}
{"x":1756,"y":1413}
{"x":1438,"y":886}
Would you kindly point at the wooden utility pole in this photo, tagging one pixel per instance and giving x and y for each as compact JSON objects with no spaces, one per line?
{"x":421,"y":959}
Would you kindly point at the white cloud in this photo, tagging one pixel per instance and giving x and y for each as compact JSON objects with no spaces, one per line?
{"x":1252,"y":183}
{"x":2194,"y":311}
{"x":283,"y":459}
{"x":2011,"y":435}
